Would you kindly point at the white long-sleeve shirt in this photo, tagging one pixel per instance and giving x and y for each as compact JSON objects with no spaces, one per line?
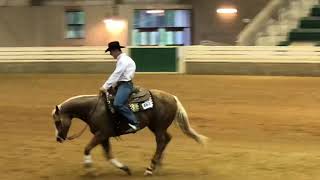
{"x":124,"y":71}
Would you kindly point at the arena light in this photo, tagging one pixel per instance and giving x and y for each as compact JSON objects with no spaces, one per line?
{"x":227,"y":11}
{"x":114,"y":25}
{"x":155,"y":11}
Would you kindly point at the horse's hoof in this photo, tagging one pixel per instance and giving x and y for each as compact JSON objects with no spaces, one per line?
{"x":148,"y":173}
{"x":126,"y":169}
{"x":87,"y":165}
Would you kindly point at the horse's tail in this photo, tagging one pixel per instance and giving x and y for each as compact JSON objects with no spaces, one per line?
{"x":183,"y":122}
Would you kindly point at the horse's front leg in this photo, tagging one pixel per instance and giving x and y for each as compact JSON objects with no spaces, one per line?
{"x":108,"y":153}
{"x":93,"y":143}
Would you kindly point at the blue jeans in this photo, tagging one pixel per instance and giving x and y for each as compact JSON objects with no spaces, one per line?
{"x":120,"y":102}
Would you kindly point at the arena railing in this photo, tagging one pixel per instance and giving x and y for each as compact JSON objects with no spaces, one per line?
{"x":260,"y":59}
{"x":55,"y":60}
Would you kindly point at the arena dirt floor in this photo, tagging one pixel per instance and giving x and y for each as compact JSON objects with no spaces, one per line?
{"x":260,"y":128}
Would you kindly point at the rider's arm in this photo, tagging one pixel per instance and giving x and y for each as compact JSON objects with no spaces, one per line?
{"x":114,"y":77}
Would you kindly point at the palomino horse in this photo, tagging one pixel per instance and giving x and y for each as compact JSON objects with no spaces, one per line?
{"x":93,"y":111}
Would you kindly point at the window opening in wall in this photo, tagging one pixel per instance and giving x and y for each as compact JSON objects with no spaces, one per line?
{"x":156,"y":27}
{"x":75,"y":24}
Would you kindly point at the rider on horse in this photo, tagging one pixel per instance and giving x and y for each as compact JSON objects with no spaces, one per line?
{"x":121,"y":79}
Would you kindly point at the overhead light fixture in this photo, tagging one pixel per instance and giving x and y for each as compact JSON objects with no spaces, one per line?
{"x":155,"y":11}
{"x":227,"y":11}
{"x":115,"y":25}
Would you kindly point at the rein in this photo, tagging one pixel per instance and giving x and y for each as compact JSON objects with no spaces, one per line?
{"x":74,"y":136}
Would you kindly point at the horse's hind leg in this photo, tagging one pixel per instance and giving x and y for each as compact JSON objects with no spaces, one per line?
{"x":108,"y":153}
{"x":162,"y":139}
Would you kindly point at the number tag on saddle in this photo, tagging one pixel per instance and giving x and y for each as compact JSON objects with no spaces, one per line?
{"x":147,"y":105}
{"x":135,"y":107}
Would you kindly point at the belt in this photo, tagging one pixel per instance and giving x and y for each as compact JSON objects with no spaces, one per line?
{"x":123,"y":82}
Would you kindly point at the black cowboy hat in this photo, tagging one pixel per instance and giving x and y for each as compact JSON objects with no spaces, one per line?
{"x":114,"y":45}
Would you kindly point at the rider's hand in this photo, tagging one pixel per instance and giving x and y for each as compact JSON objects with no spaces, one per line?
{"x":102,"y":91}
{"x":111,"y":90}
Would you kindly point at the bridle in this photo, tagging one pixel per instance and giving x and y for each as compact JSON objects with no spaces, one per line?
{"x":77,"y":135}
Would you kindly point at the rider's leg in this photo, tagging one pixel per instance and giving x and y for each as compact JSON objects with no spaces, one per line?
{"x":120,"y":103}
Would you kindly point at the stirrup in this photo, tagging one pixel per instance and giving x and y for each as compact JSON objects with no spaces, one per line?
{"x":132,"y":129}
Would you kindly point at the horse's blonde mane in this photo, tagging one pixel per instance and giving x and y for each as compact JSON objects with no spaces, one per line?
{"x":74,"y":97}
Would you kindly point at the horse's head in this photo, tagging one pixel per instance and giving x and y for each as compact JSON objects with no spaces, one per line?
{"x":62,"y":124}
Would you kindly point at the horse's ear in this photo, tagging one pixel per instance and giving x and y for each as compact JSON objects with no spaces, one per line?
{"x":57,"y":110}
